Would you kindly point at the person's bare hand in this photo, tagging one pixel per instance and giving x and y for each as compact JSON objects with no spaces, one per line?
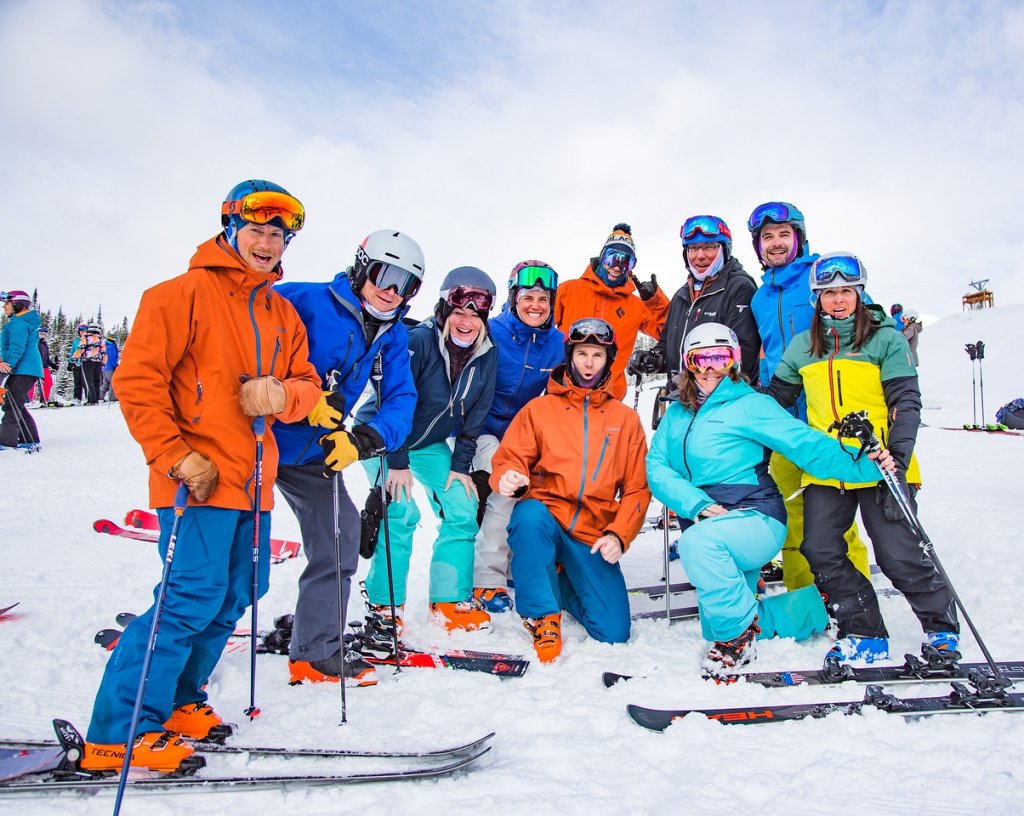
{"x":510,"y":481}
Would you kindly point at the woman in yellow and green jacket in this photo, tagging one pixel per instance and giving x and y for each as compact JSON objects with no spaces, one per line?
{"x":853,"y":359}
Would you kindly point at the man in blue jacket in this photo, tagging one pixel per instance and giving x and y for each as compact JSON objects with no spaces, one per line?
{"x":109,"y":367}
{"x":350,"y":321}
{"x":20,"y":361}
{"x":782,"y":309}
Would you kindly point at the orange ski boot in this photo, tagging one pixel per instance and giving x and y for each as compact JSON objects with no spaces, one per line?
{"x":547,"y":636}
{"x":162,"y":751}
{"x":460,"y":615}
{"x":358,"y":672}
{"x":198,"y":721}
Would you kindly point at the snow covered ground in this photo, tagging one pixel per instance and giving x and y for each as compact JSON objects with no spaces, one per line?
{"x":564,"y":744}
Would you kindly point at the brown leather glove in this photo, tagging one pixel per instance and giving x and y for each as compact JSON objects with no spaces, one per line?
{"x":199,"y":474}
{"x":262,"y":396}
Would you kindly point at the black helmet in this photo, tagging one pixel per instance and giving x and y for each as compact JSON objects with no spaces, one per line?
{"x":590,"y":331}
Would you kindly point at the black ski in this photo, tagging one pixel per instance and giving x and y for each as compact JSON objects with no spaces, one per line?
{"x":961,"y":701}
{"x":914,"y":670}
{"x":7,"y":609}
{"x":44,"y":746}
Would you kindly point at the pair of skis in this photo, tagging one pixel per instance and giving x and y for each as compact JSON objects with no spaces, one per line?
{"x":141,"y":525}
{"x":987,"y":693}
{"x":27,"y":766}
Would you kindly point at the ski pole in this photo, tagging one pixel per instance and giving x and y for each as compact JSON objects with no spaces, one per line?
{"x":180,"y":501}
{"x":19,"y":418}
{"x":636,"y":392}
{"x":378,"y":375}
{"x":341,"y":593}
{"x":259,"y":428}
{"x":857,"y":426}
{"x":668,"y":585}
{"x":981,"y":377}
{"x":972,"y":353}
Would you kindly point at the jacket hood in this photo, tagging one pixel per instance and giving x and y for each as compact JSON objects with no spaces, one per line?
{"x":218,"y":256}
{"x":561,"y":385}
{"x":795,"y":273}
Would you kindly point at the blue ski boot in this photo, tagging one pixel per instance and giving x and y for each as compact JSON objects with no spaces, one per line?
{"x":943,"y":641}
{"x":493,"y":600}
{"x":853,"y":649}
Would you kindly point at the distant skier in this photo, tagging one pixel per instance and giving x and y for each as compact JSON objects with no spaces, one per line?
{"x":454,"y":367}
{"x":93,"y":357}
{"x":896,"y":311}
{"x":196,"y":338}
{"x":529,"y":348}
{"x":20,"y":366}
{"x":717,"y":290}
{"x":605,"y":290}
{"x":575,"y":460}
{"x":708,"y":465}
{"x":109,"y":367}
{"x":854,"y":348}
{"x":351,"y":320}
{"x":783,"y":309}
{"x":49,"y":366}
{"x":912,"y":329}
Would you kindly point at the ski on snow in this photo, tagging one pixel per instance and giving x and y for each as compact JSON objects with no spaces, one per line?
{"x":936,"y":667}
{"x":55,"y":767}
{"x":7,"y":609}
{"x":960,"y":701}
{"x":280,"y":550}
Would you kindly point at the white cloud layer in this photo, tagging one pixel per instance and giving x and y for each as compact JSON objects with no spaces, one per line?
{"x":524,"y":130}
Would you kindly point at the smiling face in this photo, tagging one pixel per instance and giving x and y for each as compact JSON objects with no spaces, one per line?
{"x":464,"y":325}
{"x":777,"y":244}
{"x":383,"y":300}
{"x":261,"y":246}
{"x":709,"y":380}
{"x":534,"y":307}
{"x":839,"y":302}
{"x":701,"y":256}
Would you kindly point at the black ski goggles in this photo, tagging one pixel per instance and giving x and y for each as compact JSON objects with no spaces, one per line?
{"x":592,"y":330}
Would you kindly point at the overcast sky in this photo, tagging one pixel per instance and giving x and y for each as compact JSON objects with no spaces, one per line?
{"x":498,"y":132}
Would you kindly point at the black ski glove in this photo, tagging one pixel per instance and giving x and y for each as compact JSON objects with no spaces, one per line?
{"x":649,"y":289}
{"x":649,"y":361}
{"x":883,"y":495}
{"x":369,"y":523}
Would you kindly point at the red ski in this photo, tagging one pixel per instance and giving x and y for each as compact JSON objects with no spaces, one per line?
{"x":143,"y":526}
{"x":498,"y":664}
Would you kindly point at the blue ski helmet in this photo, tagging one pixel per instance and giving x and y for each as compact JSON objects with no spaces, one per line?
{"x":777,"y":212}
{"x":256,"y":201}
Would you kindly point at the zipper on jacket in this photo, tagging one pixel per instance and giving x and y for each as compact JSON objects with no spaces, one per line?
{"x":199,"y":392}
{"x":832,"y":392}
{"x":600,"y":459}
{"x":277,"y":348}
{"x":256,"y":329}
{"x":583,"y":470}
{"x":839,"y":386}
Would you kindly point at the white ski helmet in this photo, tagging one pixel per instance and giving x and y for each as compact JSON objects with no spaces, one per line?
{"x":386,"y":247}
{"x":910,"y":315}
{"x":710,"y":335}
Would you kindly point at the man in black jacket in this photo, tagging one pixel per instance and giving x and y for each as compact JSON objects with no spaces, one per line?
{"x":717,"y":290}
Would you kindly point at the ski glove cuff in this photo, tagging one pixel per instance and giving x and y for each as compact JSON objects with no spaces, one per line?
{"x":342,"y":448}
{"x":649,"y":289}
{"x":329,"y":411}
{"x":262,"y":396}
{"x":198,"y":473}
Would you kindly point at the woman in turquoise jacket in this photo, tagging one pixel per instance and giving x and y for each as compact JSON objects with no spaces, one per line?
{"x":709,"y":464}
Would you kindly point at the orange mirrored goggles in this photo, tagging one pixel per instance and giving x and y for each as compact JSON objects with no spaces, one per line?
{"x":263,"y":207}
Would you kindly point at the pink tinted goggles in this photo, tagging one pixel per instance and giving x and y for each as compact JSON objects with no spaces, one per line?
{"x":716,"y":358}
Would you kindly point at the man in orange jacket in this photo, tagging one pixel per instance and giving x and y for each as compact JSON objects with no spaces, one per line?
{"x":605,"y":290}
{"x":210,"y":350}
{"x":575,"y":458}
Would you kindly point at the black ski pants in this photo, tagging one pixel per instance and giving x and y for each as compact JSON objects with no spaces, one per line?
{"x":17,"y":424}
{"x":79,"y":382}
{"x":828,"y":513}
{"x":92,"y":373}
{"x":311,"y":498}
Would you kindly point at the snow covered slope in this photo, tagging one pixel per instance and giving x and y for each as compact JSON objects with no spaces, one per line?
{"x":564,"y":744}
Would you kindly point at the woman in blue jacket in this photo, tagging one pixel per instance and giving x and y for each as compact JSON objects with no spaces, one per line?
{"x":454,"y":367}
{"x":22,"y":365}
{"x":709,"y":464}
{"x":529,"y":347}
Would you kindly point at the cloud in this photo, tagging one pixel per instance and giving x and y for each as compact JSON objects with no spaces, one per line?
{"x":508,"y":131}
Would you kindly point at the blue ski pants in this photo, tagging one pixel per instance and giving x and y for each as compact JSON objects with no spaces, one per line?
{"x":588,"y":587}
{"x":722,"y":556}
{"x":209,"y":588}
{"x":451,"y":565}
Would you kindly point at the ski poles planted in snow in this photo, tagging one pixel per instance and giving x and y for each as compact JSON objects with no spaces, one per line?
{"x":378,"y":375}
{"x":259,"y":428}
{"x":857,"y":426}
{"x":180,"y":502}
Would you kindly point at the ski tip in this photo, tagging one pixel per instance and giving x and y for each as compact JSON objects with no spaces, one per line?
{"x":611,"y":678}
{"x":649,"y":718}
{"x":107,"y":638}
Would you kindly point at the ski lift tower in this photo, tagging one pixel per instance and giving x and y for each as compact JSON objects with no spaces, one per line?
{"x":980,"y":298}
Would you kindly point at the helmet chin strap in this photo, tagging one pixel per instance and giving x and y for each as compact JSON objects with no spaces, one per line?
{"x":577,"y":377}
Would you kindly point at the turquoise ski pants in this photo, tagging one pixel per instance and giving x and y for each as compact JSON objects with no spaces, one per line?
{"x":451,"y":566}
